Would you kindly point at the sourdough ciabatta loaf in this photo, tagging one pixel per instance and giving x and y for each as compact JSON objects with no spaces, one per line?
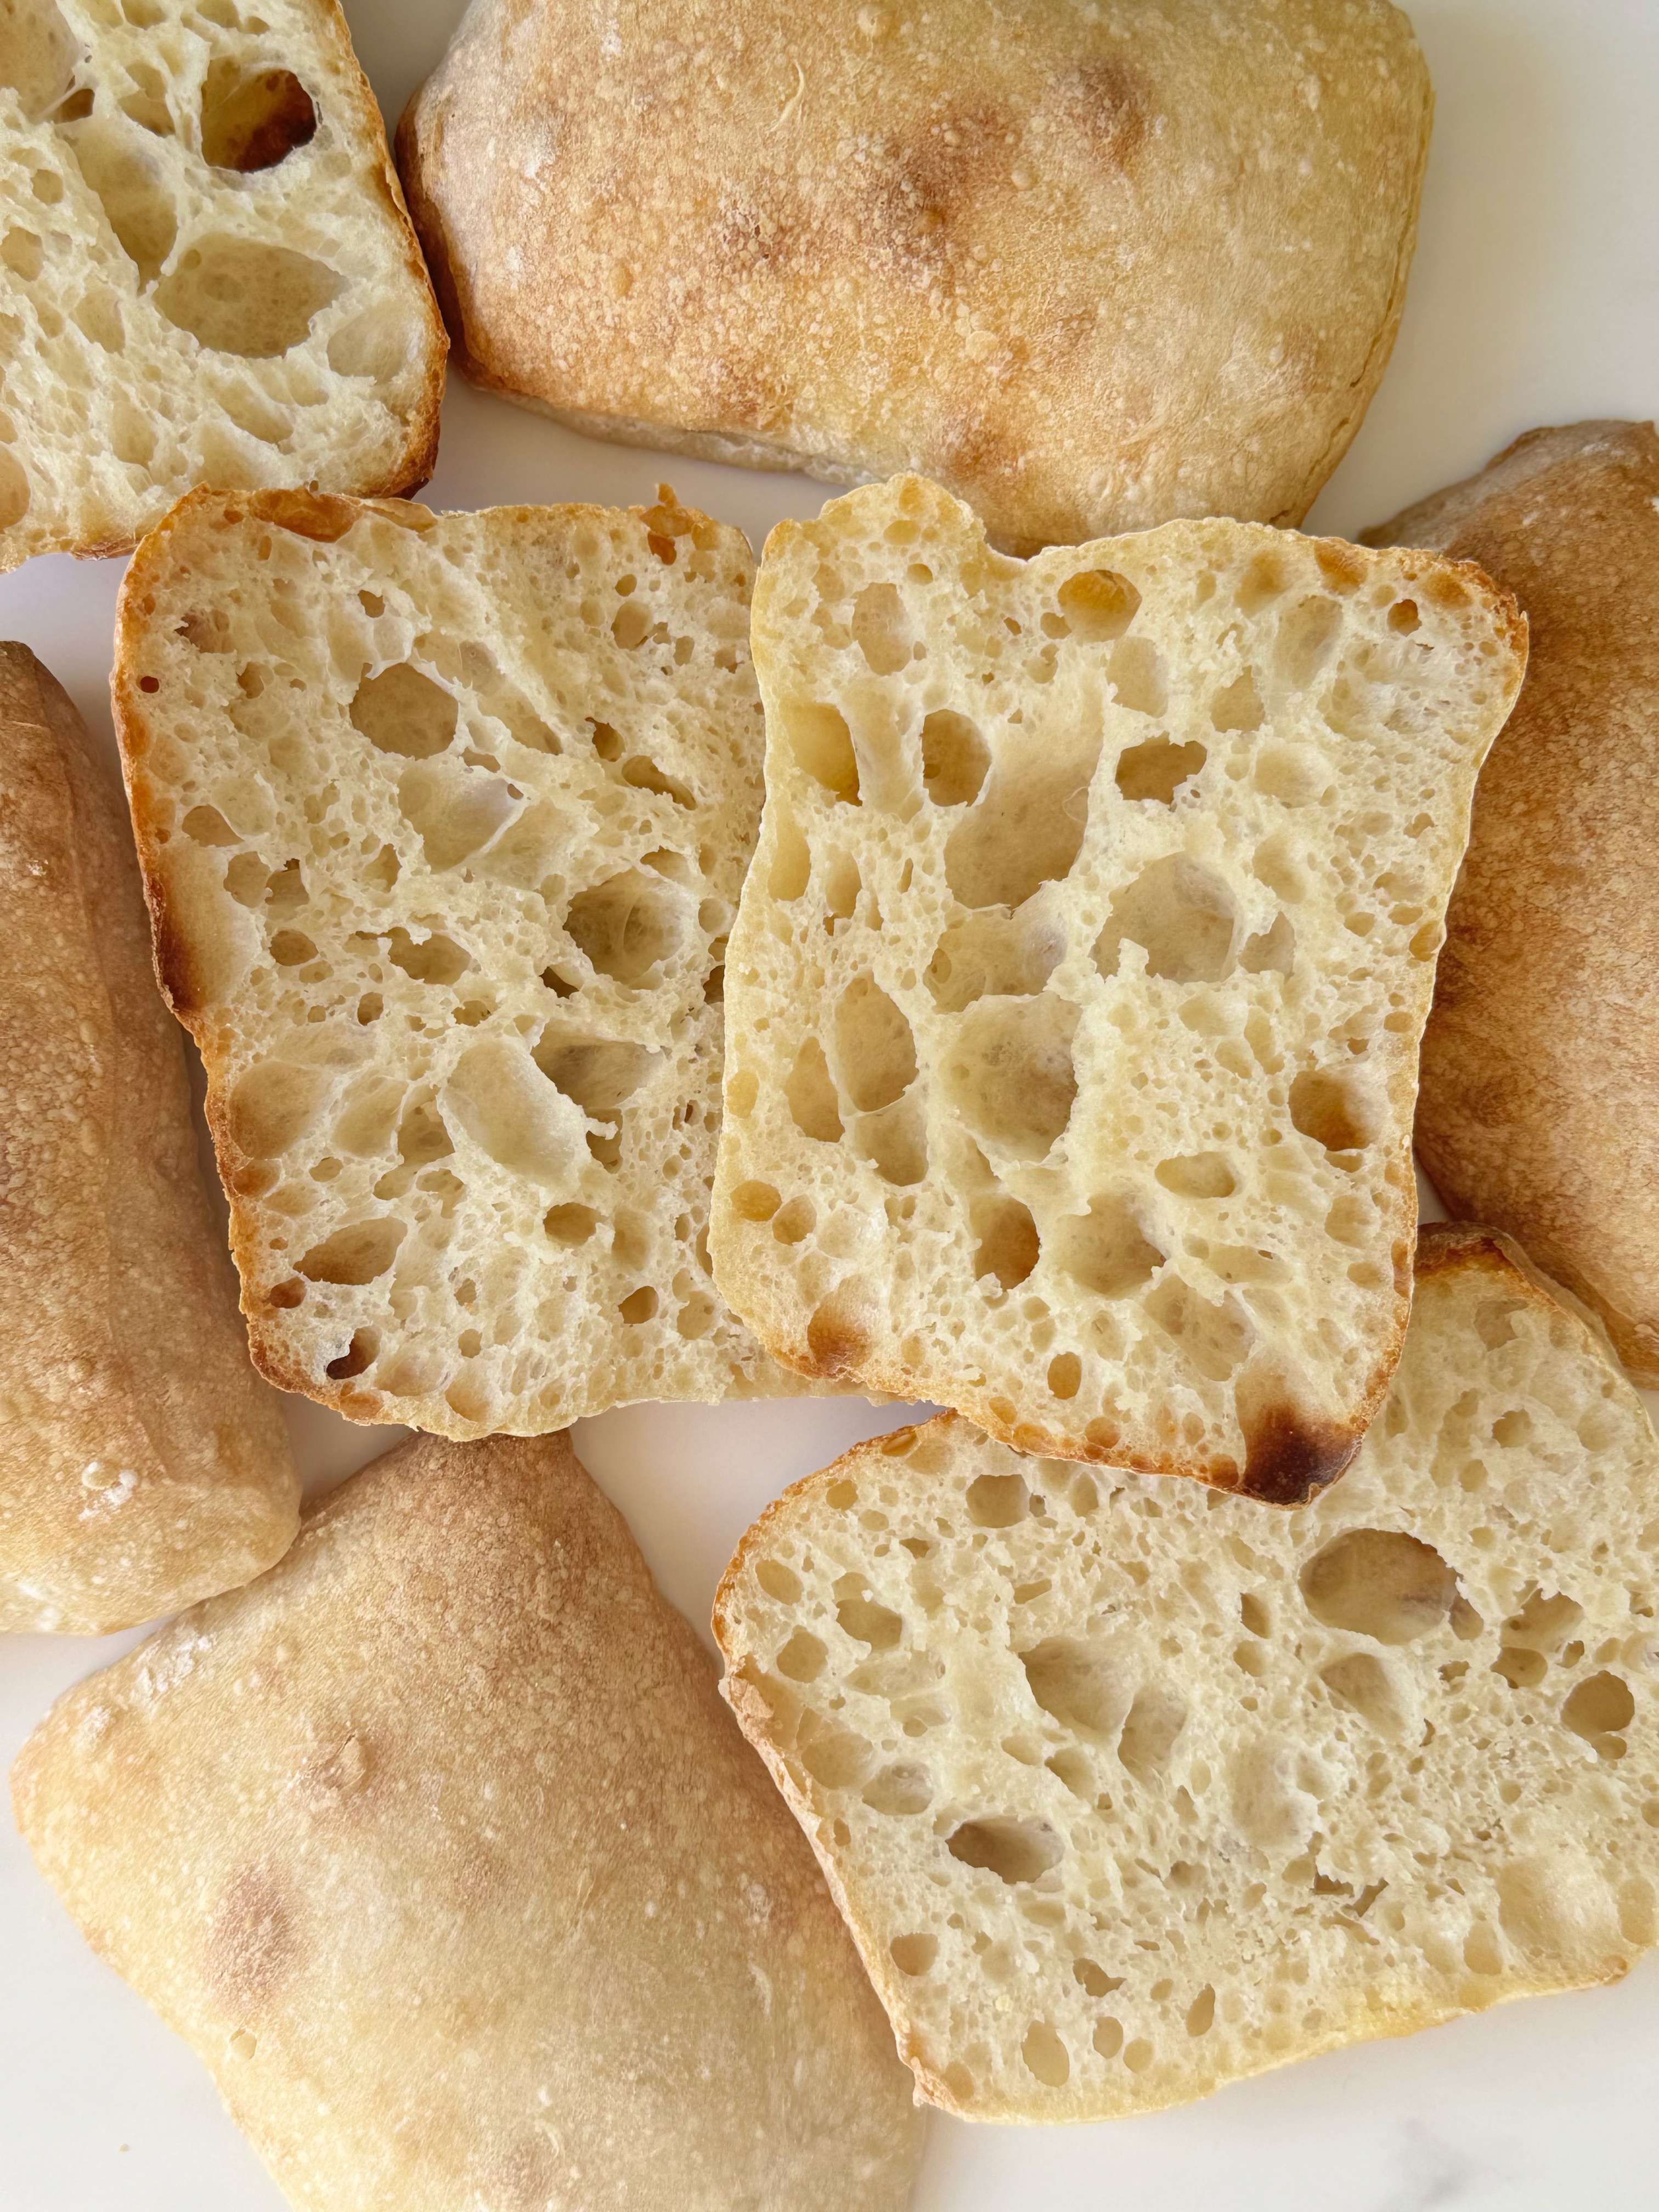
{"x":1073,"y":1005}
{"x":1090,"y":268}
{"x":207,"y":272}
{"x":444,"y":819}
{"x":143,"y":1463}
{"x":1129,"y":1789}
{"x":438,"y":1848}
{"x":1538,"y":1105}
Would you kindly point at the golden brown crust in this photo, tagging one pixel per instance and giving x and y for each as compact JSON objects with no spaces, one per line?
{"x":445,"y":1812}
{"x":142,"y":1466}
{"x":969,"y":243}
{"x":1539,"y":1108}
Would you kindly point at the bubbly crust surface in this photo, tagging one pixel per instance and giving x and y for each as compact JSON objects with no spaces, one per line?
{"x":1539,"y":1110}
{"x":1129,"y":1790}
{"x":1074,"y":999}
{"x":437,"y":1848}
{"x":1089,"y":270}
{"x":443,"y":820}
{"x":206,"y":271}
{"x":143,"y":1463}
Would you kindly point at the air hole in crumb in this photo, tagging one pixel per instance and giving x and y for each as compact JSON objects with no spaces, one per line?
{"x":402,"y":711}
{"x":822,"y":744}
{"x":778,"y":1581}
{"x":1046,"y":2056}
{"x":1332,"y":1108}
{"x":1198,"y":1175}
{"x":811,"y":1091}
{"x":252,"y":120}
{"x":1237,"y":705}
{"x":1379,"y":1582}
{"x":235,"y":295}
{"x":867,"y":1622}
{"x":794,"y":1223}
{"x":639,"y":1306}
{"x":1155,"y":1720}
{"x":355,"y":1255}
{"x":1363,"y":1682}
{"x":38,"y":55}
{"x":754,"y":1202}
{"x":1403,"y":617}
{"x":598,"y":1074}
{"x":1598,"y":1710}
{"x":1027,"y":825}
{"x":912,"y":1954}
{"x":1156,"y":770}
{"x":570,"y":1224}
{"x":1182,"y":914}
{"x":1099,"y":605}
{"x":628,"y":927}
{"x":1107,"y":2037}
{"x":1007,"y":1244}
{"x":1010,"y":1075}
{"x":801,"y":1659}
{"x":879,"y":629}
{"x":997,"y":1501}
{"x":874,"y":1047}
{"x":1271,"y":951}
{"x":1064,"y":1375}
{"x":955,"y":758}
{"x":435,"y":959}
{"x":1106,"y":1250}
{"x":1135,"y":672}
{"x":1074,"y":1684}
{"x":990,"y":955}
{"x":359,"y":1354}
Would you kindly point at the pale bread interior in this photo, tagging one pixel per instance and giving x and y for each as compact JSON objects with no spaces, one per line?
{"x":444,"y":819}
{"x":206,"y":273}
{"x":1129,"y":1789}
{"x":1074,"y":1002}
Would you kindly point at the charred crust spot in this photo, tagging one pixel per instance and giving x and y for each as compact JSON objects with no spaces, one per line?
{"x":173,"y":969}
{"x":1288,"y":1459}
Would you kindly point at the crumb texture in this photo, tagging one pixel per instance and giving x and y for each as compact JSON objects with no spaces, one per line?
{"x":143,"y":1463}
{"x":439,"y":1849}
{"x":1089,"y":268}
{"x":1129,"y":1790}
{"x":1540,"y":1102}
{"x":207,"y":274}
{"x":1075,"y":998}
{"x":445,"y":820}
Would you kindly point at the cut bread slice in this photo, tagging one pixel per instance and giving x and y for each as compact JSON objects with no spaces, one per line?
{"x":143,"y":1465}
{"x":443,"y":820}
{"x":437,"y":1847}
{"x":1130,"y":1788}
{"x":1074,"y":1001}
{"x":207,"y":272}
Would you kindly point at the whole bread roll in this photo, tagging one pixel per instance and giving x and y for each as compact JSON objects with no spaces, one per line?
{"x":1539,"y":1106}
{"x":1090,"y":268}
{"x":143,"y":1463}
{"x":439,"y":1849}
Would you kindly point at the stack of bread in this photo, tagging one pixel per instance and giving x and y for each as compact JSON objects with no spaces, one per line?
{"x":981,"y":954}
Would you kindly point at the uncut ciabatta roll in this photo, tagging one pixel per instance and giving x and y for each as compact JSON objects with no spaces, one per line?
{"x":439,"y":1849}
{"x":1092,"y":268}
{"x":443,"y":820}
{"x":1073,"y":1005}
{"x":1538,"y":1108}
{"x":1128,"y":1790}
{"x":143,"y":1463}
{"x":207,"y":271}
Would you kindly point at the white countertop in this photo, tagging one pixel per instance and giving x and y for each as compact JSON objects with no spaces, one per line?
{"x":1535,"y":298}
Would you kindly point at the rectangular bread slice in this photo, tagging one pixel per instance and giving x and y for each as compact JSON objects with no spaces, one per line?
{"x":207,"y":272}
{"x":1129,"y":1789}
{"x":439,"y":1849}
{"x":1074,"y":1002}
{"x":1091,"y":267}
{"x":143,"y":1463}
{"x":443,"y":820}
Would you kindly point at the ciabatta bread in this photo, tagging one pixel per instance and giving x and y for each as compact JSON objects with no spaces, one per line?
{"x":438,"y":1848}
{"x":444,"y":819}
{"x":207,"y":273}
{"x":143,"y":1463}
{"x":1073,"y":1006}
{"x":1089,"y":268}
{"x":1128,"y":1789}
{"x":1538,"y":1105}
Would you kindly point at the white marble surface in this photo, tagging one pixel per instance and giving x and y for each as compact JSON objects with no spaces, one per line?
{"x":1535,"y":297}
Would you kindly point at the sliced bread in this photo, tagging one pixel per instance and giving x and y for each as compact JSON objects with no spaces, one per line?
{"x":143,"y":1463}
{"x":1128,"y":1789}
{"x":444,"y":819}
{"x":1073,"y":1005}
{"x":438,"y":1848}
{"x":207,"y":273}
{"x":1539,"y":1105}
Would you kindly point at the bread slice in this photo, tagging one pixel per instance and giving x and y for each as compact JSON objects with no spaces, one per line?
{"x":1074,"y":1002}
{"x":143,"y":1463}
{"x":1129,"y":1790}
{"x":207,"y":272}
{"x":438,"y":1848}
{"x":1539,"y":1106}
{"x":444,"y":819}
{"x":1091,"y":267}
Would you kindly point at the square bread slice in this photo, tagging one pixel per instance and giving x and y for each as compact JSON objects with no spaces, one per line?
{"x":443,"y":820}
{"x":1073,"y":1005}
{"x":1129,"y":1789}
{"x":207,"y":272}
{"x":143,"y":1465}
{"x":439,"y":1849}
